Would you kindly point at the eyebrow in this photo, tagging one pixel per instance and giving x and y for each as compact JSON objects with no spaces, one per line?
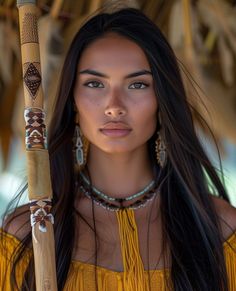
{"x":99,"y":74}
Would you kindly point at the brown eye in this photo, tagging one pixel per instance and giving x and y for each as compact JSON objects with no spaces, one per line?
{"x":138,"y":85}
{"x":94,"y":84}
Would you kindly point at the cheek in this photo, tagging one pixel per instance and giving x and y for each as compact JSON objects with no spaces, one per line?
{"x":87,"y":106}
{"x":149,"y":123}
{"x":147,"y":116}
{"x":88,"y":111}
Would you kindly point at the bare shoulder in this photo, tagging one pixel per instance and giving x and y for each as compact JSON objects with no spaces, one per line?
{"x":227,"y":215}
{"x":17,"y":223}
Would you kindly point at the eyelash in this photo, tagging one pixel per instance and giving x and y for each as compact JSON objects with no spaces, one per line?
{"x":140,"y":83}
{"x":99,"y":83}
{"x":93,"y":82}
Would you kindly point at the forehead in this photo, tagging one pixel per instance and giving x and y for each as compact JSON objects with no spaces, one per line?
{"x":113,"y":51}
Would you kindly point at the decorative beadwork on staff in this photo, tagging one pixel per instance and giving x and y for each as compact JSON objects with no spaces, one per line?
{"x":35,"y":128}
{"x":40,"y":213}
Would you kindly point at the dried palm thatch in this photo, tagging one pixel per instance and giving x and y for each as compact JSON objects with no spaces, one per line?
{"x":218,"y":112}
{"x":6,"y":111}
{"x":9,"y":47}
{"x":220,"y":17}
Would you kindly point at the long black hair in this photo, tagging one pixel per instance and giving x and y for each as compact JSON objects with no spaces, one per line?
{"x":190,"y":223}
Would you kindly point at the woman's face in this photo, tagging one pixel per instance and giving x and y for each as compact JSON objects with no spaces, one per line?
{"x":114,"y":95}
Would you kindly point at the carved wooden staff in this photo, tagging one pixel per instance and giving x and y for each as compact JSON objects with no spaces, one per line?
{"x":39,"y":183}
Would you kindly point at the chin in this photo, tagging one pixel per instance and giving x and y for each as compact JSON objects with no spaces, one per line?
{"x":116,"y":150}
{"x":121,"y":148}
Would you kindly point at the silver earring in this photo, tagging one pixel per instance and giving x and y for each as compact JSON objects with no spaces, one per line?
{"x":78,"y":146}
{"x":160,"y":151}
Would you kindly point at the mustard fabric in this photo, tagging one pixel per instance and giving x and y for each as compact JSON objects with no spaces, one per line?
{"x":81,"y":275}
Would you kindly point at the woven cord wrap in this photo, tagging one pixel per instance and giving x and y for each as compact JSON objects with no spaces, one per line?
{"x":134,"y":277}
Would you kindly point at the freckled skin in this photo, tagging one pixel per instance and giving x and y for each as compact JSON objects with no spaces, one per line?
{"x":115,"y":98}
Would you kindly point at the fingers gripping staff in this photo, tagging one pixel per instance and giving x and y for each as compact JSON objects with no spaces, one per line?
{"x":40,"y":190}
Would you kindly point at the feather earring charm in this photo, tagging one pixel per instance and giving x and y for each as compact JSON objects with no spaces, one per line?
{"x":80,"y":147}
{"x":160,"y":151}
{"x":79,"y":153}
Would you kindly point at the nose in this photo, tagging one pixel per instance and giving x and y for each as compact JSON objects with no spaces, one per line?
{"x":115,"y":111}
{"x":115,"y":108}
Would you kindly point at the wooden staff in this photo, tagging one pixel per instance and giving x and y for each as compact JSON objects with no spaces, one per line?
{"x":39,"y":183}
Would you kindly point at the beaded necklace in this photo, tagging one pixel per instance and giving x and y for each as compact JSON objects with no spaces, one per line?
{"x":103,"y":195}
{"x":99,"y":200}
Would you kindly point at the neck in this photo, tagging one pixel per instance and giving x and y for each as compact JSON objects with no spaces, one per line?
{"x":121,"y":174}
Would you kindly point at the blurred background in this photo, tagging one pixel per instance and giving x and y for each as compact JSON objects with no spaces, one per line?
{"x":202,"y":34}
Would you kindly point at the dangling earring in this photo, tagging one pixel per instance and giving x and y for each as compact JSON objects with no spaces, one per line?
{"x":160,"y":147}
{"x":160,"y":151}
{"x":80,"y":148}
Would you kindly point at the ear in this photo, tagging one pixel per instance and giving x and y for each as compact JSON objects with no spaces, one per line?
{"x":159,"y":119}
{"x":77,"y":117}
{"x":75,"y":107}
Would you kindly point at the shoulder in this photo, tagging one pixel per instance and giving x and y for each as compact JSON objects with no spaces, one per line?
{"x":17,"y":223}
{"x":227,"y":216}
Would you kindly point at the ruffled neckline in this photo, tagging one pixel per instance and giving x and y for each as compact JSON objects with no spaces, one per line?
{"x":229,"y":243}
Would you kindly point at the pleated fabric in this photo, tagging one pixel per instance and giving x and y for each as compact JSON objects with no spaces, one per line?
{"x":81,"y":276}
{"x":8,"y":245}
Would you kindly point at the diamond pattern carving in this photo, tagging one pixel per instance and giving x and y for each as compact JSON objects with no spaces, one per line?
{"x":32,"y":79}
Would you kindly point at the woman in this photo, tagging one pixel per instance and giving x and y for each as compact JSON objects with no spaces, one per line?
{"x":135,"y":212}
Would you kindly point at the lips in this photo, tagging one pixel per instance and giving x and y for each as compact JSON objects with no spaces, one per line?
{"x":116,"y":126}
{"x":115,"y":129}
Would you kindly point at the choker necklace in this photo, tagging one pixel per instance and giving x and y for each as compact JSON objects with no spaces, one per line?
{"x":103,"y":195}
{"x":91,"y":194}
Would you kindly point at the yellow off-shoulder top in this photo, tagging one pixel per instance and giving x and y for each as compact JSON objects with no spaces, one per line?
{"x":81,"y":275}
